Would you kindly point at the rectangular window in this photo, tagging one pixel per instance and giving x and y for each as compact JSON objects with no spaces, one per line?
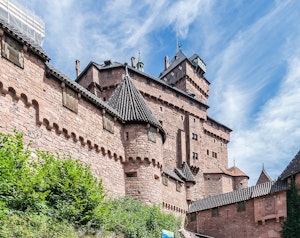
{"x":178,"y":186}
{"x":194,"y":136}
{"x":193,"y":216}
{"x":70,"y":99}
{"x":214,"y":155}
{"x":215,"y":212}
{"x":126,"y":135}
{"x":241,"y":207}
{"x":13,"y":51}
{"x":131,"y":174}
{"x":195,"y":155}
{"x":108,"y":123}
{"x":152,"y":134}
{"x":165,"y":180}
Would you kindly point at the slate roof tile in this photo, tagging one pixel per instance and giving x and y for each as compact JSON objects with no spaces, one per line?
{"x":238,"y":196}
{"x":292,"y":168}
{"x":131,"y":106}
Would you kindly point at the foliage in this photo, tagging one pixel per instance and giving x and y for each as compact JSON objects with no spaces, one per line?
{"x":291,"y":227}
{"x":46,"y":195}
{"x":62,"y":189}
{"x":134,"y":219}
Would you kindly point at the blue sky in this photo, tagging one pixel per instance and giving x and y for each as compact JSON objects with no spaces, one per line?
{"x":251,"y":49}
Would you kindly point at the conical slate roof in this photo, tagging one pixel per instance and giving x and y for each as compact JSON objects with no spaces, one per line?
{"x":131,"y":106}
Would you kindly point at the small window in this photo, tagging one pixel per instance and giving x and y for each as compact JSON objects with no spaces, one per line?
{"x":164,"y":88}
{"x":193,"y":216}
{"x":165,"y":180}
{"x":178,"y":186}
{"x":207,"y":152}
{"x":148,"y":81}
{"x":108,"y":123}
{"x":126,"y":135}
{"x":195,"y":155}
{"x":70,"y":99}
{"x":172,"y":74}
{"x":131,"y":174}
{"x":194,"y":136}
{"x":241,"y":206}
{"x":131,"y":74}
{"x":215,"y":212}
{"x":13,"y":51}
{"x":152,"y":134}
{"x":109,"y":73}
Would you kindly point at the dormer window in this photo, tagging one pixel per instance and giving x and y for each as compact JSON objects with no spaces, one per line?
{"x":13,"y":51}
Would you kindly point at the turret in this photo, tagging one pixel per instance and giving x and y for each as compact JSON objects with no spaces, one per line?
{"x":143,"y":138}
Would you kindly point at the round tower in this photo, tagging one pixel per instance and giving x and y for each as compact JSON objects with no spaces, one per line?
{"x":143,"y":138}
{"x":143,"y":150}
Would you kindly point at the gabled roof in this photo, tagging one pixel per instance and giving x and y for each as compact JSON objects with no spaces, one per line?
{"x":177,"y":59}
{"x":292,"y":168}
{"x":236,"y":172}
{"x":131,"y":106}
{"x":233,"y":171}
{"x":172,"y":174}
{"x":264,"y":177}
{"x":13,"y":31}
{"x":238,"y":196}
{"x":181,"y":175}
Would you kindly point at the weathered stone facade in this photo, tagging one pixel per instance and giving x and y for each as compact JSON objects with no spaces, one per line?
{"x":157,"y":152}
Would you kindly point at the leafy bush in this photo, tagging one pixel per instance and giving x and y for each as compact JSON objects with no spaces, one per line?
{"x":46,"y":195}
{"x":134,"y":219}
{"x":60,"y":188}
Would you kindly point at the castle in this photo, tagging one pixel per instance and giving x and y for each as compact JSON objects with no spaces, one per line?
{"x":146,"y":137}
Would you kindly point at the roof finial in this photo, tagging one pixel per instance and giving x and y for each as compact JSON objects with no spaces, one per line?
{"x":263,"y":166}
{"x":178,"y":45}
{"x":233,"y":162}
{"x":140,"y":64}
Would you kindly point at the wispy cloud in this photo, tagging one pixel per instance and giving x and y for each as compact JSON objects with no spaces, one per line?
{"x":251,"y":50}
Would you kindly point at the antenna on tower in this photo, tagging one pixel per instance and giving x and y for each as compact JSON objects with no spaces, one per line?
{"x":177,"y":48}
{"x":178,"y":45}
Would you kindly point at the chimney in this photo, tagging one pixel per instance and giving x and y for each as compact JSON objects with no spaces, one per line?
{"x":166,"y":62}
{"x":77,"y":67}
{"x":133,"y":65}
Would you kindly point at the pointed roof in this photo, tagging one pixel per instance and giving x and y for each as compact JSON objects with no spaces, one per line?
{"x":233,"y":171}
{"x":131,"y":106}
{"x":177,"y":59}
{"x":188,"y":173}
{"x":292,"y":168}
{"x":264,"y":177}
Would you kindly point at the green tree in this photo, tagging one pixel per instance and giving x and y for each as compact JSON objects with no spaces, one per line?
{"x":291,"y":227}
